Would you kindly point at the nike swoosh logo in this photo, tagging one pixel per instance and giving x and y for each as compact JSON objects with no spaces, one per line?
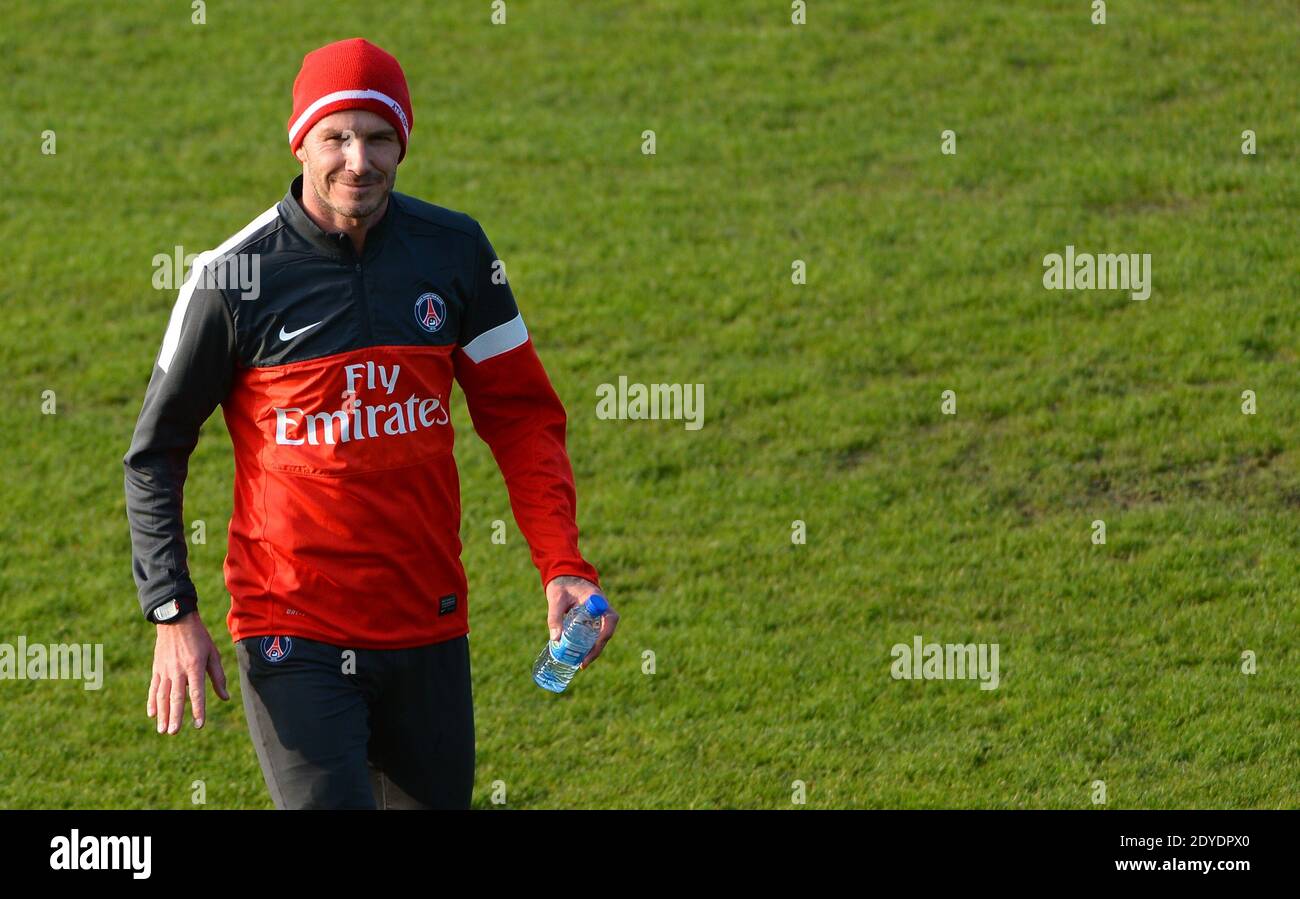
{"x":290,"y":335}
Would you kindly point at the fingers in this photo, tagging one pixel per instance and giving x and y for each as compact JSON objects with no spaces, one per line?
{"x":197,"y":699}
{"x":181,"y":659}
{"x":162,"y":701}
{"x":151,"y":707}
{"x":608,"y":624}
{"x":177,"y":705}
{"x":562,"y":594}
{"x":167,"y":697}
{"x":555,"y":618}
{"x":217,"y":673}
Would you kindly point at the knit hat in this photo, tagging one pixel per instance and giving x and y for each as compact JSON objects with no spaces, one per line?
{"x":351,"y":74}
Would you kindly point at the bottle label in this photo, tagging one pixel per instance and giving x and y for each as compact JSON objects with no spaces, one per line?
{"x":563,"y":651}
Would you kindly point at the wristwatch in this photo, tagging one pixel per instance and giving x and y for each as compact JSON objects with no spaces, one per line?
{"x":173,"y":610}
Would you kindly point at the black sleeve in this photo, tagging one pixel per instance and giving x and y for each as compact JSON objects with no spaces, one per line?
{"x":191,"y":375}
{"x":493,"y":304}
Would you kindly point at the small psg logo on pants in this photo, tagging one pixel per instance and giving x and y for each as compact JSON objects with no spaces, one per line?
{"x":276,"y":649}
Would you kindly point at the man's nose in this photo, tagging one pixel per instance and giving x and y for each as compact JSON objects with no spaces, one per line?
{"x":357,"y":156}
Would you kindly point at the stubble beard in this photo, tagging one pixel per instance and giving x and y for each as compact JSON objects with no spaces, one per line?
{"x":354,"y":210}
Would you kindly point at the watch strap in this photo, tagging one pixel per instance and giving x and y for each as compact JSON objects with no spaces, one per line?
{"x":173,"y":610}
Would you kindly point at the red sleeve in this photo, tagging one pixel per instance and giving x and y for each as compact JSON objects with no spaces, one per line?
{"x":519,"y":416}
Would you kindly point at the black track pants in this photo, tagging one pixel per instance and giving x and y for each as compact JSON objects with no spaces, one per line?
{"x":384,"y":728}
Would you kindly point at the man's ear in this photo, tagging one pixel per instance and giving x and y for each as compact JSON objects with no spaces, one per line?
{"x":301,"y":154}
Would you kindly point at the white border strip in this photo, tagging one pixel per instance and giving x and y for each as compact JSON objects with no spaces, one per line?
{"x":498,"y":340}
{"x":352,"y":95}
{"x":172,"y":337}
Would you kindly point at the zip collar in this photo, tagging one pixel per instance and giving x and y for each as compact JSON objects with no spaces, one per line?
{"x":335,"y":244}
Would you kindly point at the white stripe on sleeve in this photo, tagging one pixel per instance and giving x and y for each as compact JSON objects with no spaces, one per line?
{"x":498,"y":340}
{"x":172,"y":337}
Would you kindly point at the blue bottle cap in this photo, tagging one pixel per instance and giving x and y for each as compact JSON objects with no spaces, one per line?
{"x":597,"y":605}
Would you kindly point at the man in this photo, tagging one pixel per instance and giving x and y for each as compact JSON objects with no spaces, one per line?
{"x":348,"y":598}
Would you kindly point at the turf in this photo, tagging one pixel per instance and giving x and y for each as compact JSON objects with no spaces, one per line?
{"x":1119,"y":662}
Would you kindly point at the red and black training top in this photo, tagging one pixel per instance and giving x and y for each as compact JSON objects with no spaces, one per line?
{"x":334,"y":375}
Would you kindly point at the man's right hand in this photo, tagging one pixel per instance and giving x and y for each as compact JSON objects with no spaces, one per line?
{"x":182,"y":655}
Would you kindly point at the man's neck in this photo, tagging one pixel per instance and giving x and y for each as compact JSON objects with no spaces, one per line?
{"x":331,"y":223}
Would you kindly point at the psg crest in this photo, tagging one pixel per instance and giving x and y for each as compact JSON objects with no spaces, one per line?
{"x":430,"y":311}
{"x":276,"y":649}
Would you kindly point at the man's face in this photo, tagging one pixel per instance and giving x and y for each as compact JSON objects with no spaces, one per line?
{"x":350,"y":160}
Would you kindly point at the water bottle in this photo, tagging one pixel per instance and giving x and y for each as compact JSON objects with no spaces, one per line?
{"x":559,"y":659}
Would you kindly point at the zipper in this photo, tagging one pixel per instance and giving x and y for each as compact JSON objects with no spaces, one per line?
{"x":360,"y":283}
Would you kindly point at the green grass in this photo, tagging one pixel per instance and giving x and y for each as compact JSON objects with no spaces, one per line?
{"x":822,"y":402}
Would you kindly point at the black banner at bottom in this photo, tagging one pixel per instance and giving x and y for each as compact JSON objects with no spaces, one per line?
{"x":336,"y":849}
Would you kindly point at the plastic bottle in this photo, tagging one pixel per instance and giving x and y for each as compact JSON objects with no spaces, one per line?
{"x":559,"y":659}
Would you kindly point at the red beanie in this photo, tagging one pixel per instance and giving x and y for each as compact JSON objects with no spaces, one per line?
{"x":351,"y":74}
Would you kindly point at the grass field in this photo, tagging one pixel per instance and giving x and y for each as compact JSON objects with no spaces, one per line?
{"x":775,"y":142}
